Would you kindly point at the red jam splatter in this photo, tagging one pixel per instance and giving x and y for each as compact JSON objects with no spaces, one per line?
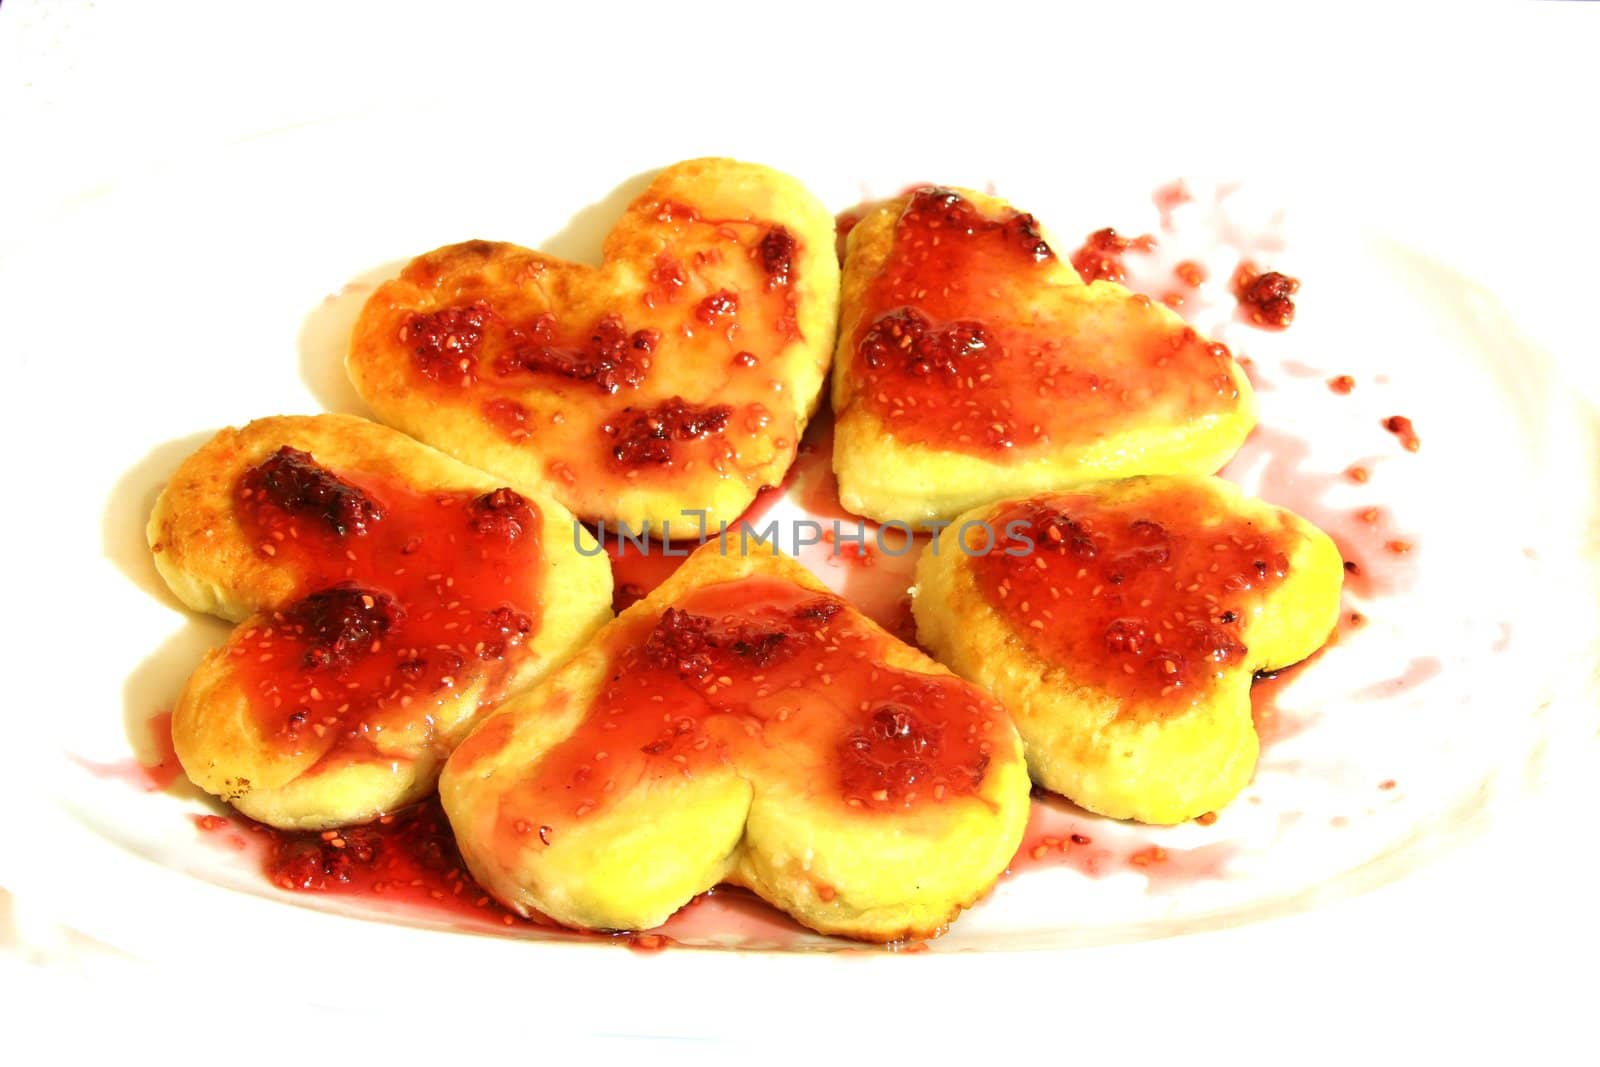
{"x":647,"y":437}
{"x":1054,"y":837}
{"x":610,"y":357}
{"x":408,"y":858}
{"x":957,"y":346}
{"x":444,"y":343}
{"x":756,"y":673}
{"x":409,"y":861}
{"x":1287,"y":474}
{"x":406,"y":597}
{"x":1342,"y":385}
{"x":1099,"y":258}
{"x":152,"y":774}
{"x":1419,"y":671}
{"x":1405,"y":430}
{"x":1190,"y":273}
{"x":849,"y":549}
{"x":1267,"y":298}
{"x":1168,"y":198}
{"x":1125,"y":597}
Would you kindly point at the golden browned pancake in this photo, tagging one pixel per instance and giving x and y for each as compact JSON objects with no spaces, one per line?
{"x":678,"y":375}
{"x":385,"y":595}
{"x":1122,"y":624}
{"x":742,"y":725}
{"x":974,"y":363}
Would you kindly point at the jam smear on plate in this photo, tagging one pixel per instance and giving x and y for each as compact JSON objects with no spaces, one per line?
{"x":1099,"y":258}
{"x":408,"y":862}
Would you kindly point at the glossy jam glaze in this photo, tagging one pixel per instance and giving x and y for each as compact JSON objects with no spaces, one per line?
{"x":969,"y":341}
{"x":1143,"y":602}
{"x":408,"y":597}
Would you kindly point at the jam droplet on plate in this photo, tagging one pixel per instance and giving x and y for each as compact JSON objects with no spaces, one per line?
{"x":1099,"y":258}
{"x":1405,"y":430}
{"x":1266,"y":297}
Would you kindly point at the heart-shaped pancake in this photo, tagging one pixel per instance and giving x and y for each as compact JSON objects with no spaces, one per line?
{"x":677,"y":376}
{"x":742,"y":724}
{"x":1122,"y":625}
{"x":973,"y":363}
{"x":385,"y":595}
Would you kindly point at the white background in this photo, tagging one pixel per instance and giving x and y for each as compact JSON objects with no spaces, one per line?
{"x":1467,"y":129}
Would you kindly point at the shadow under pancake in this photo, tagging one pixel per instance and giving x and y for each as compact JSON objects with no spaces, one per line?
{"x":584,"y":235}
{"x":324,"y":340}
{"x":127,"y":512}
{"x":152,"y":689}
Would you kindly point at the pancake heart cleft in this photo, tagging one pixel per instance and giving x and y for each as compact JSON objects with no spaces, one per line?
{"x":386,"y":596}
{"x":742,"y":724}
{"x":1122,"y":624}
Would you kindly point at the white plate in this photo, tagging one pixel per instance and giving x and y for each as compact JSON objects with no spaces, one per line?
{"x":219,"y":289}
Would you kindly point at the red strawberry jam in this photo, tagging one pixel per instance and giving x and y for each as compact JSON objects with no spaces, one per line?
{"x":1404,"y":429}
{"x":649,"y":436}
{"x":610,"y":357}
{"x":1099,"y":258}
{"x":1266,"y":297}
{"x":406,"y":597}
{"x":292,"y":482}
{"x":777,"y":251}
{"x":444,"y":343}
{"x":971,"y":340}
{"x":762,"y":676}
{"x":1139,"y":600}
